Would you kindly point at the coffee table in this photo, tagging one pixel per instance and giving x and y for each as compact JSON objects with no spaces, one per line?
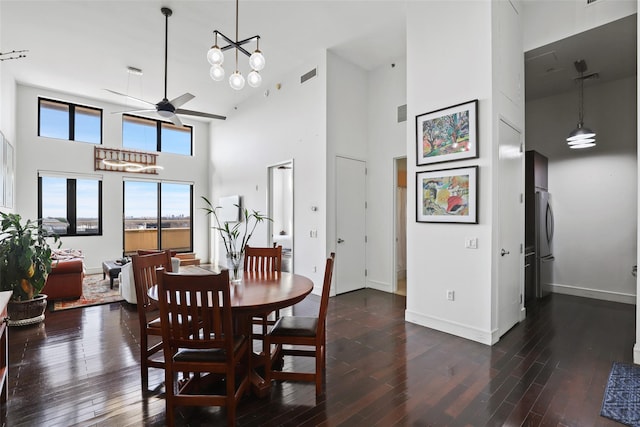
{"x":111,"y":268}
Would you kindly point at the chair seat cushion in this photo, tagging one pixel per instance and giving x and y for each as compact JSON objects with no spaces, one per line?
{"x":295,"y":326}
{"x":206,"y":355}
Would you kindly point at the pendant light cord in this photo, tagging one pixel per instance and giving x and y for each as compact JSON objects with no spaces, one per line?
{"x":237,"y":9}
{"x":166,"y":50}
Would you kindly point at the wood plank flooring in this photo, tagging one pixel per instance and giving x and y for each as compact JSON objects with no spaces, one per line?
{"x":80,"y":367}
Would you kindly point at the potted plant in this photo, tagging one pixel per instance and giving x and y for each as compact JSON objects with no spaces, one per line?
{"x":25,"y":263}
{"x":235,"y":239}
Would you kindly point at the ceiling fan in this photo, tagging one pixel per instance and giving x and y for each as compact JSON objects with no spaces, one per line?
{"x":165,"y":108}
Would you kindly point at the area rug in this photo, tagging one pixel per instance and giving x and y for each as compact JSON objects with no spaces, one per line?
{"x":95,"y":291}
{"x":621,"y":400}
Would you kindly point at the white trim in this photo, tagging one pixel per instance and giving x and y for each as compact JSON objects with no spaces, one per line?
{"x":591,"y":293}
{"x":380,"y":286}
{"x":636,"y":353}
{"x":68,"y":175}
{"x":465,"y":331}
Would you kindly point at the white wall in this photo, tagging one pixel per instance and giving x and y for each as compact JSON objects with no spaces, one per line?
{"x":346,"y":130}
{"x":443,"y":71}
{"x":387,"y":90}
{"x":46,"y":154}
{"x":547,"y":21}
{"x":288,"y":124}
{"x":594,"y":190}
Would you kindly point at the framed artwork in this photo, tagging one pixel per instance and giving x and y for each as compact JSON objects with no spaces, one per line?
{"x":447,"y":134}
{"x":447,"y":195}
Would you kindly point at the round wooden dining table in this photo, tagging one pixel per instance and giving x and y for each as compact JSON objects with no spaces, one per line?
{"x":257,"y":293}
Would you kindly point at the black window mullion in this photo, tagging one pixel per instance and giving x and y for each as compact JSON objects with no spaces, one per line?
{"x":40,"y":197}
{"x":159,"y":225}
{"x":71,"y":206}
{"x":158,"y":136}
{"x":191,"y":219}
{"x":100,"y":207}
{"x":72,"y":122}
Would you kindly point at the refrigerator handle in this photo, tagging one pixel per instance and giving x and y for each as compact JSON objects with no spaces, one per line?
{"x":549,"y":223}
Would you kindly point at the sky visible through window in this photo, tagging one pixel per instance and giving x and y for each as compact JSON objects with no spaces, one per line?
{"x":141,"y":200}
{"x":54,"y":122}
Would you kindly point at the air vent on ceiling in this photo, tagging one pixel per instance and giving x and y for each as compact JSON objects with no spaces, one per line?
{"x":591,"y":1}
{"x":309,"y":75}
{"x":402,"y":113}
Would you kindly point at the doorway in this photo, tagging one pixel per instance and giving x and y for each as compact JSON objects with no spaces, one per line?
{"x":350,"y":266}
{"x":400,"y":215}
{"x":280,"y":208}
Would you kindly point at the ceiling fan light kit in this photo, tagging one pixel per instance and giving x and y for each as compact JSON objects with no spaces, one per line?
{"x":581,"y":137}
{"x":215,"y":56}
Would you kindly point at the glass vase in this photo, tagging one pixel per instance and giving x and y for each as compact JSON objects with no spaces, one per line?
{"x":235,"y":265}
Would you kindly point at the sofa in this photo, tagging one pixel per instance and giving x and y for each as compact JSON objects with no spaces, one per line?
{"x":65,"y":279}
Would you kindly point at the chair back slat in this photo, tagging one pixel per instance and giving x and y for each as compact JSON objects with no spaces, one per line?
{"x":326,"y":288}
{"x":265,"y":260}
{"x":203,"y":300}
{"x":144,"y":275}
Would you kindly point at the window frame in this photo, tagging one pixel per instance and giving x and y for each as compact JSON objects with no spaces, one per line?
{"x":72,"y":203}
{"x":159,"y":212}
{"x":72,"y":119}
{"x":158,"y":125}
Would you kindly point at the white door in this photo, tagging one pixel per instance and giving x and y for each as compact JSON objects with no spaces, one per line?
{"x":350,"y":225}
{"x":511,"y":227}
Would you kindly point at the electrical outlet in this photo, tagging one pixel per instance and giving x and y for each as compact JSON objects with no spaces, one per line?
{"x":313,"y":233}
{"x":314,"y":269}
{"x":450,"y":295}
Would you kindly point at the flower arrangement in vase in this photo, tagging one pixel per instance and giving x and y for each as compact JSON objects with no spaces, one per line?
{"x":235,"y":237}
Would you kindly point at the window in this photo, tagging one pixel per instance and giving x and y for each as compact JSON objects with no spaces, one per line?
{"x":155,"y":135}
{"x":157,"y":216}
{"x":70,"y":206}
{"x":63,"y":120}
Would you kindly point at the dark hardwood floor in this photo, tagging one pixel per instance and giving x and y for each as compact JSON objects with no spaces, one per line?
{"x":80,"y":367}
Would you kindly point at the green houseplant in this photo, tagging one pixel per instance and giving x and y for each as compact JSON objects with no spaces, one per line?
{"x":234,"y":236}
{"x":25,"y":260}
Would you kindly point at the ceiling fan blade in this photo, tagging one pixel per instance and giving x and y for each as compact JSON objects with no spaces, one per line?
{"x":176,"y":121}
{"x":130,"y":97}
{"x":182,"y":99}
{"x":200,"y":114}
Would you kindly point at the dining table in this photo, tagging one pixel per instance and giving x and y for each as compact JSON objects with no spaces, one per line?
{"x":256,"y":293}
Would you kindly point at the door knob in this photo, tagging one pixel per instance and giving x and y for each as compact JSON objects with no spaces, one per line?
{"x":503,"y":252}
{"x":340,"y":240}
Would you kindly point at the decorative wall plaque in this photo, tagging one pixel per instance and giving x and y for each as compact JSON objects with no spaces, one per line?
{"x":116,"y":160}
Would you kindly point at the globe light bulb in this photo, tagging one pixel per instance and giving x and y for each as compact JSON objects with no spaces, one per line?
{"x":215,"y":56}
{"x":236,"y":81}
{"x":216,"y":72}
{"x":254,"y":79}
{"x":256,"y":60}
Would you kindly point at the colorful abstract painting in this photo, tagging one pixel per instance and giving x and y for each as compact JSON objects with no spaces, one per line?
{"x":447,"y":195}
{"x":447,"y":134}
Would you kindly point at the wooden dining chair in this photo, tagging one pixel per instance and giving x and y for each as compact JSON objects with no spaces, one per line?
{"x":144,"y":276}
{"x":263,"y":260}
{"x":204,"y":344}
{"x":296,"y":331}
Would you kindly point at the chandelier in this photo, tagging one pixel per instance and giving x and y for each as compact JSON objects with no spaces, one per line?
{"x":215,"y":57}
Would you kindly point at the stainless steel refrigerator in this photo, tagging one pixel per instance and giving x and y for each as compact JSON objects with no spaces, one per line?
{"x":544,"y":243}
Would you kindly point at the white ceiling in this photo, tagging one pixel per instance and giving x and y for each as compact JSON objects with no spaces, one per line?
{"x":84,"y":47}
{"x":609,"y":50}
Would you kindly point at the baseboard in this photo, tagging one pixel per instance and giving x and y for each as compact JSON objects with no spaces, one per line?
{"x":380,"y":286}
{"x":454,"y":328}
{"x":591,"y":293}
{"x":93,"y":270}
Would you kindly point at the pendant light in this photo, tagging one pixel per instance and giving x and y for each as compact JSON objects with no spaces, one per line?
{"x":581,"y":136}
{"x":215,"y":56}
